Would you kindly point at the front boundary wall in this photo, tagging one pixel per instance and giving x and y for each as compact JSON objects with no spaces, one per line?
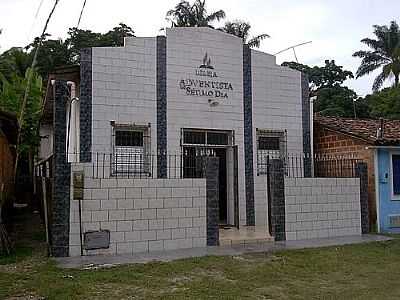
{"x":322,"y":207}
{"x":142,"y":215}
{"x":305,"y":208}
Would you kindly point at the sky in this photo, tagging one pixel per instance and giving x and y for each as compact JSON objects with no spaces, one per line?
{"x":335,"y":27}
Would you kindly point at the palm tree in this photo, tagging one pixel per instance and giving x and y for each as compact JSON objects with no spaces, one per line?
{"x":15,"y":60}
{"x":385,"y":54}
{"x":242,"y":29}
{"x":186,"y":15}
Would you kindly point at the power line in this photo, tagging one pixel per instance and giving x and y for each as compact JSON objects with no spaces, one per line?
{"x":80,"y":16}
{"x":34,"y":19}
{"x":38,"y":9}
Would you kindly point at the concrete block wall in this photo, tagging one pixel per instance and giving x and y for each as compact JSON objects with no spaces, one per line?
{"x":322,"y":207}
{"x":124,"y":89}
{"x":142,"y":215}
{"x":261,"y":201}
{"x":277,"y":100}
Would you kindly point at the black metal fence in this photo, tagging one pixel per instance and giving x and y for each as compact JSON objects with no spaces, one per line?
{"x":305,"y":165}
{"x":132,"y":164}
{"x":139,"y":165}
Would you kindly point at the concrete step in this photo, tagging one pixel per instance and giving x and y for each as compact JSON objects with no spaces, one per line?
{"x":244,"y":235}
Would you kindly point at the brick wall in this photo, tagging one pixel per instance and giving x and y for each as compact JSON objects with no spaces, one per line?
{"x":330,"y":142}
{"x":6,"y":165}
{"x":322,"y":207}
{"x":142,"y":214}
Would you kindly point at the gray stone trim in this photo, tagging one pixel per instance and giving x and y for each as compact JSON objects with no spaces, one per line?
{"x":161,"y":106}
{"x":248,"y":135}
{"x":361,"y":169}
{"x":62,"y":175}
{"x":212,"y":175}
{"x":85,"y":100}
{"x":305,"y":101}
{"x":277,"y":199}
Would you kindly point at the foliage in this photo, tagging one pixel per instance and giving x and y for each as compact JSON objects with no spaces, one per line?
{"x":385,"y":55}
{"x":333,"y":99}
{"x":242,"y":29}
{"x":79,"y":39}
{"x":57,"y":52}
{"x":340,"y":101}
{"x":52,"y":53}
{"x":328,"y":76}
{"x":14,"y":61}
{"x":193,"y":15}
{"x":11,"y":95}
{"x":385,"y":103}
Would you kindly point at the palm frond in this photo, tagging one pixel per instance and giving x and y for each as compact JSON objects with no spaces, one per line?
{"x":216,"y":16}
{"x":365,"y":69}
{"x":374,"y":44}
{"x":256,"y":41}
{"x":378,"y":82}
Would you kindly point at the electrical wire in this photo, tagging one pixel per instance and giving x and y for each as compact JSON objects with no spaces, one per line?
{"x":34,"y":20}
{"x":80,"y":16}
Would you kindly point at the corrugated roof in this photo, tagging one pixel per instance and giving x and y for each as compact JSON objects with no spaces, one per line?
{"x":365,"y":129}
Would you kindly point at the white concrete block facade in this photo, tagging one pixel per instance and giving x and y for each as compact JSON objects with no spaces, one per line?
{"x":124,"y":89}
{"x":141,"y":214}
{"x":277,"y":101}
{"x":186,"y":48}
{"x":322,"y":207}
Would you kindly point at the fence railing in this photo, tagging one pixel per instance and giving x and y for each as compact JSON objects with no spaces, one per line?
{"x":189,"y":165}
{"x":305,"y":165}
{"x":139,"y":165}
{"x":44,"y":168}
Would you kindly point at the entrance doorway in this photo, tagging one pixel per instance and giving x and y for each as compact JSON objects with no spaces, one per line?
{"x":223,"y":204}
{"x":197,"y":143}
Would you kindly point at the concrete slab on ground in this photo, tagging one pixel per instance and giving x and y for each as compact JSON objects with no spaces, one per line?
{"x":90,"y":262}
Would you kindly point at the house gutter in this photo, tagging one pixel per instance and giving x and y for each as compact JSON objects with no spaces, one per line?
{"x":383,"y":147}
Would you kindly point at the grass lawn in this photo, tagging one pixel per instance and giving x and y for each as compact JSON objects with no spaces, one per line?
{"x":367,"y":271}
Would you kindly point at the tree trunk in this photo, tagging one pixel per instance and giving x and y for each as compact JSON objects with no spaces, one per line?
{"x":5,"y":243}
{"x":396,"y":79}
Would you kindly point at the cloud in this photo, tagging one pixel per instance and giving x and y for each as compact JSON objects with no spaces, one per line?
{"x":335,"y":27}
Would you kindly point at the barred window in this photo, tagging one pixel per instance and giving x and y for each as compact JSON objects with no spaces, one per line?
{"x":206,"y":137}
{"x":270,"y":144}
{"x":128,"y":138}
{"x":131,"y":154}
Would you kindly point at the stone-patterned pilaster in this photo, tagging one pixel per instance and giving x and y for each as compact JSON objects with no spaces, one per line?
{"x":85,"y":100}
{"x":277,"y":199}
{"x":212,"y":175}
{"x":305,"y":97}
{"x":362,"y":173}
{"x":62,"y":174}
{"x":162,"y":106}
{"x":248,"y":135}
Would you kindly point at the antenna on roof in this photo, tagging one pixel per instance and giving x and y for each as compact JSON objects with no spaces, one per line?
{"x":293,"y":48}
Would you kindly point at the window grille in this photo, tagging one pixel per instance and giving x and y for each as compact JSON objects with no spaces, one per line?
{"x":131,"y":146}
{"x":272,"y":144}
{"x":206,"y":137}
